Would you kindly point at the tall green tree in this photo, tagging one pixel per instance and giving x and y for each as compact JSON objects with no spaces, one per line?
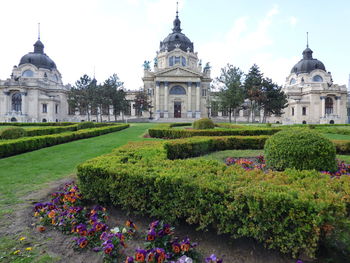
{"x":274,"y":99}
{"x":253,"y":90}
{"x":141,"y":102}
{"x":115,"y":94}
{"x":231,"y":94}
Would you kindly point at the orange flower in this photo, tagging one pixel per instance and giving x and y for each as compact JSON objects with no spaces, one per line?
{"x":185,"y":247}
{"x":53,"y":222}
{"x":83,"y":244}
{"x":176,"y":248}
{"x":140,"y":257}
{"x":150,"y":257}
{"x":41,"y":228}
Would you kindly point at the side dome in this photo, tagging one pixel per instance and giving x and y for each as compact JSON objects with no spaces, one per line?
{"x":38,"y":58}
{"x":308,"y":63}
{"x":176,"y":39}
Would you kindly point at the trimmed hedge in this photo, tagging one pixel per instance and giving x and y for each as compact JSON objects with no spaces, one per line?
{"x":204,"y":123}
{"x":12,"y":133}
{"x":196,"y":146}
{"x":50,"y":130}
{"x":179,"y":133}
{"x":291,"y":211}
{"x":302,"y":149}
{"x":26,"y":144}
{"x":36,"y":123}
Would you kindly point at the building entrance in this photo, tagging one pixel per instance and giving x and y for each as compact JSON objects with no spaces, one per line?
{"x":177,"y":109}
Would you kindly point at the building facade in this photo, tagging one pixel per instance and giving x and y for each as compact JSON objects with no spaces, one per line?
{"x":35,"y":92}
{"x":312,"y":95}
{"x":178,"y":86}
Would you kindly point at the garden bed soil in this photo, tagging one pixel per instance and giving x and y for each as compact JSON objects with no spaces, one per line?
{"x":60,"y":246}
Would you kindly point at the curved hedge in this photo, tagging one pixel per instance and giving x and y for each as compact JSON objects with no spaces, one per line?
{"x":26,"y":144}
{"x":12,"y":133}
{"x":204,"y":123}
{"x":291,"y":211}
{"x":303,"y":149}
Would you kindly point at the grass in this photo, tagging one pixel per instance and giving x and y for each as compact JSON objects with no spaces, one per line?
{"x":333,"y":136}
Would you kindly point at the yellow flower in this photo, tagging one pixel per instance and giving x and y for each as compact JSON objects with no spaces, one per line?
{"x":22,"y":238}
{"x":36,"y":214}
{"x":16,"y":252}
{"x":29,"y":248}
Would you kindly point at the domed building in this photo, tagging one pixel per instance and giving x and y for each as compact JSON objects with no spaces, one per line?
{"x":177,"y":85}
{"x":35,"y":92}
{"x":312,"y":95}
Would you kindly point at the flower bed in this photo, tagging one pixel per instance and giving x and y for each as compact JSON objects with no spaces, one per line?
{"x":290,"y":211}
{"x":67,"y":212}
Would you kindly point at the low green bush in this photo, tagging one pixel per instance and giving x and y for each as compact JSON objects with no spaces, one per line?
{"x":50,"y":130}
{"x":12,"y":133}
{"x":168,"y":133}
{"x":289,"y":211}
{"x":26,"y":144}
{"x":302,"y":149}
{"x":86,"y":125}
{"x":36,"y":123}
{"x":204,"y":123}
{"x":196,"y":146}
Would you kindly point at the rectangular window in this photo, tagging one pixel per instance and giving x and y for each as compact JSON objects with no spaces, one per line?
{"x":56,"y":108}
{"x":171,"y":61}
{"x":304,"y":110}
{"x":292,"y":111}
{"x":44,"y":108}
{"x":177,"y":60}
{"x":204,"y":92}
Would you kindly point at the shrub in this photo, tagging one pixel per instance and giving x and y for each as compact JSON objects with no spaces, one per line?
{"x":86,"y":125}
{"x":289,"y":211}
{"x":302,"y":149}
{"x":203,"y":123}
{"x":12,"y":133}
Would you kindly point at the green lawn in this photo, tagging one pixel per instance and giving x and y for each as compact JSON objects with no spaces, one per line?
{"x":26,"y":172}
{"x":333,"y":136}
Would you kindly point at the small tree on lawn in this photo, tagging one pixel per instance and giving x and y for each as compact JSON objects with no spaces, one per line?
{"x":231,"y":94}
{"x":274,"y":99}
{"x":141,"y":102}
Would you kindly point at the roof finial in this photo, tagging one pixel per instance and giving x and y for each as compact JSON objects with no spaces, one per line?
{"x":307,"y":39}
{"x":177,"y":9}
{"x":38,"y":31}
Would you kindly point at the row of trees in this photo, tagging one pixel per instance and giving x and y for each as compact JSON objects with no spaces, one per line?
{"x":252,"y":92}
{"x":90,"y":98}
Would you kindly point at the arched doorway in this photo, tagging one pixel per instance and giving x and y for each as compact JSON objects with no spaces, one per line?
{"x":13,"y":119}
{"x":304,"y":122}
{"x":331,"y":122}
{"x":44,"y":120}
{"x":177,"y":109}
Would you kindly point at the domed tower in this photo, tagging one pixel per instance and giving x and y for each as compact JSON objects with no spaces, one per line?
{"x":35,"y":92}
{"x":177,"y":85}
{"x":312,"y":95}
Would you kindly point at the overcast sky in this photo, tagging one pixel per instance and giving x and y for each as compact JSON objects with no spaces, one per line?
{"x":116,"y":36}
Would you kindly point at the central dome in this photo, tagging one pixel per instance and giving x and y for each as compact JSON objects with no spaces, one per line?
{"x":308,"y":63}
{"x":38,"y":58}
{"x":176,"y":39}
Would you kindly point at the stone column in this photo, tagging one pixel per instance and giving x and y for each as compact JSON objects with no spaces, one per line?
{"x":157,"y":101}
{"x":198,"y":94}
{"x":338,"y":98}
{"x":296,"y":112}
{"x":323,"y":106}
{"x":189,"y":99}
{"x":166,"y":103}
{"x":24,"y":104}
{"x":6,"y":97}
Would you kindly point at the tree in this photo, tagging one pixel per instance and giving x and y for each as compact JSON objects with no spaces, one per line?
{"x":253,"y":89}
{"x":231,"y":95}
{"x":274,"y":99}
{"x":116,"y":95}
{"x":141,"y":103}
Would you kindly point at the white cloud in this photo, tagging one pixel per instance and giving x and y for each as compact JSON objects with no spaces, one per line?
{"x":293,"y":21}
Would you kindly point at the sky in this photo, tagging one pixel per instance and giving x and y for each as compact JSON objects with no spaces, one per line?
{"x":104,"y":37}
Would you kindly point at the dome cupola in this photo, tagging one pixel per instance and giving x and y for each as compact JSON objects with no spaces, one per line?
{"x":176,"y":39}
{"x":38,"y":58}
{"x":307,"y":63}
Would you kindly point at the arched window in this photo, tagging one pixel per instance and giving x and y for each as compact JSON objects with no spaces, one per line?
{"x":292,"y":81}
{"x":329,"y":105}
{"x":44,"y":120}
{"x":28,"y":74}
{"x":177,"y":90}
{"x":317,"y":78}
{"x":183,"y":60}
{"x":17,"y":101}
{"x":13,"y":119}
